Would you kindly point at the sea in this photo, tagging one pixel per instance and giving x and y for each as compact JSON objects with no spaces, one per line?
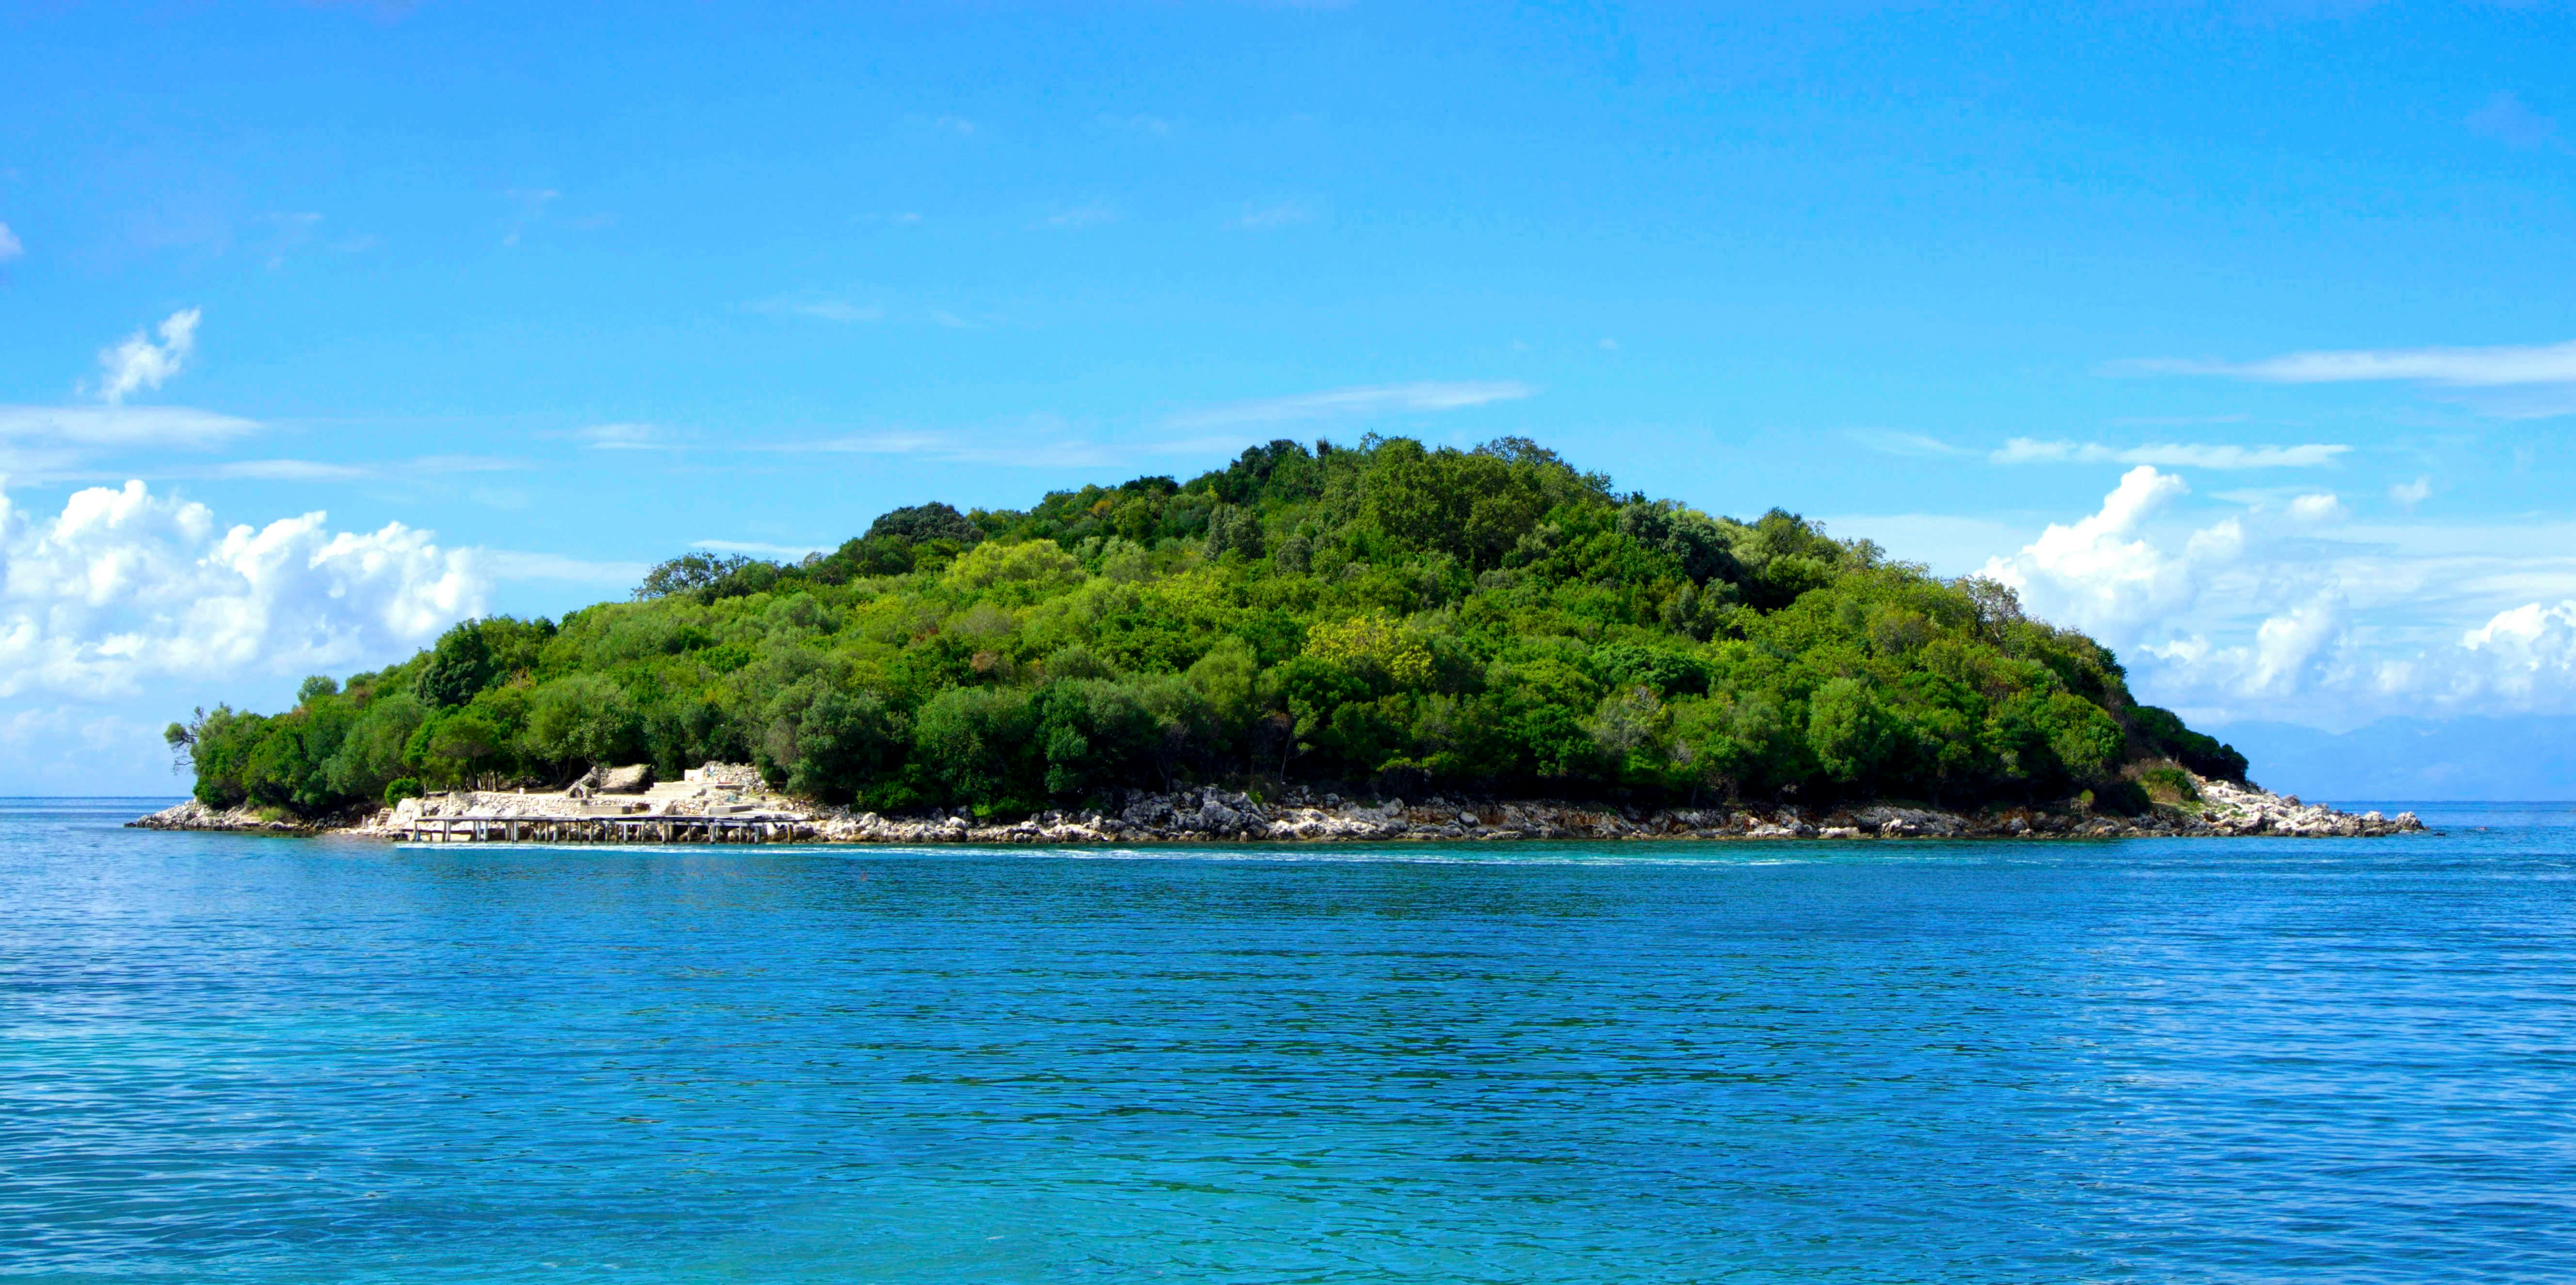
{"x":227,"y":1058}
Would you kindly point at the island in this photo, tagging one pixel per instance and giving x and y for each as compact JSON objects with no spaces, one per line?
{"x":1384,"y":640}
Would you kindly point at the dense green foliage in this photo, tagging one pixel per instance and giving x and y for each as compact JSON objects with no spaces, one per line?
{"x":1388,"y":616}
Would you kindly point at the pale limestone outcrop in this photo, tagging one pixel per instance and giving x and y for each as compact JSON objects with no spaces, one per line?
{"x":1208,"y":815}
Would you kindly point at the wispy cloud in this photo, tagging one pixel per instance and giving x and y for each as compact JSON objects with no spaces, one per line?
{"x":293,"y":470}
{"x":1888,"y":441}
{"x":2500,"y":366}
{"x":1086,"y":215}
{"x":1142,"y":124}
{"x":138,"y":364}
{"x":1424,"y":397}
{"x":624,"y":437}
{"x":103,"y":426}
{"x":2174,"y":421}
{"x":2025,"y":450}
{"x":1271,"y":218}
{"x":2506,"y":120}
{"x":1003,"y":447}
{"x":292,"y":231}
{"x":530,"y":206}
{"x":10,"y":246}
{"x":2412,"y":493}
{"x":506,"y":564}
{"x":838,"y":310}
{"x":842,"y":310}
{"x":466,"y":464}
{"x":290,"y":471}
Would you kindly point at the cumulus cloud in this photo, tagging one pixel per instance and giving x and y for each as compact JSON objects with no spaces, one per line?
{"x":2321,"y":507}
{"x":2527,"y":653}
{"x":1424,"y":397}
{"x":2291,"y":611}
{"x":2025,"y":450}
{"x":2137,"y":590}
{"x":2099,"y":571}
{"x":124,"y":587}
{"x":139,"y":364}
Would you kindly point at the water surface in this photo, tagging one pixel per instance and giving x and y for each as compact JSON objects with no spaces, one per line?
{"x":231,"y":1059}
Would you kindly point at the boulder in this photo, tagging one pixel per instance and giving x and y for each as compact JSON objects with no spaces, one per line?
{"x":634,"y":779}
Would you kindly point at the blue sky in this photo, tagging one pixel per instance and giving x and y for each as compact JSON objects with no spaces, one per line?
{"x":2237,"y":335}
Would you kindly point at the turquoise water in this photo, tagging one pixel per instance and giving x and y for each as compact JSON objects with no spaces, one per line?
{"x":230,"y":1059}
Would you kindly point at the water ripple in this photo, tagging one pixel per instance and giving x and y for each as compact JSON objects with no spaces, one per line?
{"x":225,"y":1058}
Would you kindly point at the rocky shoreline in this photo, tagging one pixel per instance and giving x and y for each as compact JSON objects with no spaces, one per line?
{"x":1217,"y":816}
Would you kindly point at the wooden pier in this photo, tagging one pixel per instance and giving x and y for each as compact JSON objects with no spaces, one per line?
{"x":607,"y":829}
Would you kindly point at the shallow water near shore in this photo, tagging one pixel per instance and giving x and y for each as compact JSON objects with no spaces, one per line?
{"x":233,"y":1058}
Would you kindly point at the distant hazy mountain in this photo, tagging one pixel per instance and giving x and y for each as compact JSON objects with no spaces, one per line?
{"x":2413,"y":758}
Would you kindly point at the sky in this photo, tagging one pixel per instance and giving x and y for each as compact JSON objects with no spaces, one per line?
{"x":2239,"y":336}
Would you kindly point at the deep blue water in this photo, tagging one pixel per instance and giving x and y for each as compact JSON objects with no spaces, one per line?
{"x":230,"y":1059}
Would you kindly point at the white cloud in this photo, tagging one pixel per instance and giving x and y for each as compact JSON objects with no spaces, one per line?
{"x":2491,"y":367}
{"x":2321,"y":507}
{"x":2292,"y":612}
{"x":2527,"y":654}
{"x":624,"y":436}
{"x":294,"y":470}
{"x":106,"y":426}
{"x":2099,"y":572}
{"x":2025,"y":450}
{"x":1898,"y":442}
{"x":838,"y":310}
{"x":1425,"y":397}
{"x":139,"y":364}
{"x":2412,"y":493}
{"x":10,"y":246}
{"x":821,"y":308}
{"x":291,"y":471}
{"x":124,"y":587}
